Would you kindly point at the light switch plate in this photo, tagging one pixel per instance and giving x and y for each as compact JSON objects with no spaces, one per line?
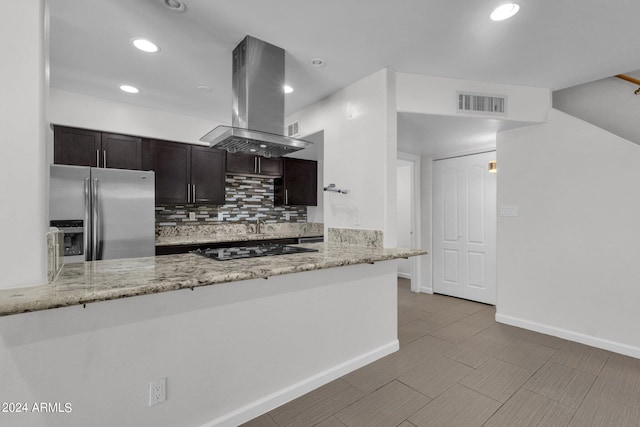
{"x":508,"y":211}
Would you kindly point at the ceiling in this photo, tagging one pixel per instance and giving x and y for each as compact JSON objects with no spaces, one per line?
{"x":550,"y":43}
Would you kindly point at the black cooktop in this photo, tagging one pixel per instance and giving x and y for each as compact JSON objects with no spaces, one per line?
{"x":226,"y":254}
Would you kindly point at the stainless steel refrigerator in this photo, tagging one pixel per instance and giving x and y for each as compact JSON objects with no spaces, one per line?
{"x":104,"y":213}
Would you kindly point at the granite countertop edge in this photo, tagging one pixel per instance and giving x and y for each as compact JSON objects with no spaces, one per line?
{"x":90,"y":282}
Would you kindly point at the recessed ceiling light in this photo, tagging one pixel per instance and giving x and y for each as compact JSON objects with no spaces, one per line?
{"x":145,"y":45}
{"x":288,"y":89}
{"x":129,"y":89}
{"x":505,"y":11}
{"x":175,"y":5}
{"x":318,"y":62}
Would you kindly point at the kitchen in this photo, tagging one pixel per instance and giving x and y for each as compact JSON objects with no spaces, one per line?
{"x":368,"y":156}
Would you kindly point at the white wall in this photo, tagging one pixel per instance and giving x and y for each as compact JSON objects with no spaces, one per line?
{"x":359,"y":124}
{"x":608,"y":103}
{"x":438,"y":95}
{"x":23,"y":177}
{"x":76,"y":110}
{"x":403,"y":213}
{"x":426,"y":201}
{"x":229,"y":352}
{"x":568,"y":263}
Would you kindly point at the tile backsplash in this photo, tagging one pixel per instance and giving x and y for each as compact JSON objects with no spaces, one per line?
{"x":247,"y":199}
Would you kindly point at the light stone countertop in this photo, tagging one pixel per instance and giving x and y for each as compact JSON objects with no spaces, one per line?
{"x":83,"y":283}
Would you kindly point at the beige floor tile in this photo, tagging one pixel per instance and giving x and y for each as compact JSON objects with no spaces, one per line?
{"x":406,"y":424}
{"x":414,"y":330}
{"x":435,"y":377}
{"x":330,"y":422}
{"x":474,"y":351}
{"x":561,"y":384}
{"x":483,"y":318}
{"x":581,"y":357}
{"x":387,"y":406}
{"x":262,"y":421}
{"x":456,"y":332}
{"x":381,"y":372}
{"x":526,"y":408}
{"x":439,"y":305}
{"x":408,"y":315}
{"x":497,"y":379}
{"x":317,"y":405}
{"x":542,"y":339}
{"x":469,"y":307}
{"x":424,"y":349}
{"x":596,"y":412}
{"x":443,"y":318}
{"x":526,"y":354}
{"x":619,"y":381}
{"x":500,"y":334}
{"x":456,"y":407}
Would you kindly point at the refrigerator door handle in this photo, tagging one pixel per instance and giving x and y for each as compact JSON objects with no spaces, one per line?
{"x":87,"y":220}
{"x":95,"y":222}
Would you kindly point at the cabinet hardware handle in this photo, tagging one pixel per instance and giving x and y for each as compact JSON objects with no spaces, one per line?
{"x":286,"y":197}
{"x":97,"y":158}
{"x":255,"y":165}
{"x":104,"y":158}
{"x":188,"y":193}
{"x":259,"y":165}
{"x":194,"y":194}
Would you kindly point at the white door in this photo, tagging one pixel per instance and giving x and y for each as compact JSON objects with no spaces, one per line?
{"x":464,"y":228}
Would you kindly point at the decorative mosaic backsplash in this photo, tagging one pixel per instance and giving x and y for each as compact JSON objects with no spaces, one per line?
{"x":247,"y":199}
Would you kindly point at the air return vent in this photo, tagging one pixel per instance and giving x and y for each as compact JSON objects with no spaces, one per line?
{"x":473,"y":102}
{"x":293,"y":129}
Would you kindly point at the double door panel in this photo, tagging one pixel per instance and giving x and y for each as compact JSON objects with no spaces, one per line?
{"x":81,"y":147}
{"x":464,"y":228}
{"x":186,"y":173}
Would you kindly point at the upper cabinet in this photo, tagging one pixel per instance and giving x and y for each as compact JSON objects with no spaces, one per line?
{"x":83,"y":147}
{"x":246,"y":164}
{"x":186,"y":173}
{"x":298,"y":185}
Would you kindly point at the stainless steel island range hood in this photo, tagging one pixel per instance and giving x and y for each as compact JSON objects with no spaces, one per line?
{"x":258,"y":104}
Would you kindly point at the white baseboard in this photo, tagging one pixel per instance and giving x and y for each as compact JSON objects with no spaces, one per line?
{"x":426,"y":290}
{"x":293,"y":391}
{"x":404,"y":275}
{"x":604,"y":344}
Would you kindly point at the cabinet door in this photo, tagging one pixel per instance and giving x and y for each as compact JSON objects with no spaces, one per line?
{"x":78,"y":147}
{"x":270,"y":167}
{"x":207,"y":175}
{"x":241,"y":163}
{"x":121,"y":151}
{"x":171,"y":163}
{"x":299,"y":184}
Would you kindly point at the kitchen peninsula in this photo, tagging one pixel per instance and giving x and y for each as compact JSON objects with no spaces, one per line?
{"x":234,"y":339}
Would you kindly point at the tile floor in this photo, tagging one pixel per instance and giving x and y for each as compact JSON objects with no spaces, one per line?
{"x":457,"y":367}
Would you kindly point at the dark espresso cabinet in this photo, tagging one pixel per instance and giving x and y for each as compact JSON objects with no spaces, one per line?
{"x":185,"y":173}
{"x":247,"y":164}
{"x":82,"y":147}
{"x":298,"y":185}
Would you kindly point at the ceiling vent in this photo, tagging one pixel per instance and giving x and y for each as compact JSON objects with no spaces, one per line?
{"x":293,"y":129}
{"x":479,"y":103}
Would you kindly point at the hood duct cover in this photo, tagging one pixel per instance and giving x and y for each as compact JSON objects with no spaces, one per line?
{"x":258,"y":104}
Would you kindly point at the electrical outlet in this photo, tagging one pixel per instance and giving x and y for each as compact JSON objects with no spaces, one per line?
{"x":220,"y":216}
{"x":287,"y":216}
{"x":157,"y":391}
{"x":192,"y":216}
